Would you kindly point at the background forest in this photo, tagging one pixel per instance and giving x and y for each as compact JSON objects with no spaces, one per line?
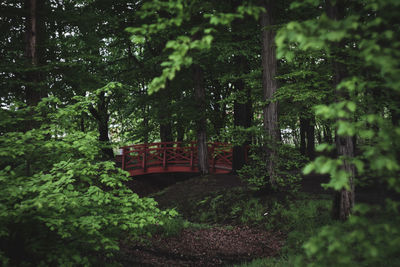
{"x":312,"y":87}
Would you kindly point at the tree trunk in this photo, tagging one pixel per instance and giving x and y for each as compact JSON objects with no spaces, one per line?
{"x":82,"y":122}
{"x":344,"y":199}
{"x":32,"y":91}
{"x":269,"y":67}
{"x":311,"y":138}
{"x":33,"y":25}
{"x":219,"y":112}
{"x":303,"y":127}
{"x":180,"y":132}
{"x":164,"y":115}
{"x":145,"y":124}
{"x":166,"y":132}
{"x":201,"y":122}
{"x":242,"y":118}
{"x":327,"y":134}
{"x":102,"y":117}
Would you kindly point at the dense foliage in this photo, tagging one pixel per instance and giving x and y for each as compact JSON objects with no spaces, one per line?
{"x":299,"y":84}
{"x":57,"y":195}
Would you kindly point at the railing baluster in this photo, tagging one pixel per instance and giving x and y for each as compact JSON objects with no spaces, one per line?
{"x":191,"y":156}
{"x":165,"y":157}
{"x":144,"y":163}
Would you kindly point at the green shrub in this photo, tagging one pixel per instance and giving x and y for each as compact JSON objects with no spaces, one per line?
{"x":289,"y":164}
{"x":60,"y":205}
{"x":371,"y":238}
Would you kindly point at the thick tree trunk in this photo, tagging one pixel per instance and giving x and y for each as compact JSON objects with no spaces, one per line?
{"x":166,"y":132}
{"x":201,"y":122}
{"x":344,"y":200}
{"x":269,"y":67}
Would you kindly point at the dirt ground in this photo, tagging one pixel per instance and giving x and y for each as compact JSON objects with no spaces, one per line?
{"x":205,"y":247}
{"x":219,"y":245}
{"x":216,"y":246}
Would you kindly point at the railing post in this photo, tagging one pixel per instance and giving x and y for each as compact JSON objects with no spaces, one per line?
{"x":144,"y":158}
{"x":191,"y":156}
{"x":213,"y":157}
{"x":165,"y":156}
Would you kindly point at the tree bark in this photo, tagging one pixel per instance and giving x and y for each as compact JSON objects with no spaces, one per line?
{"x":327,"y":134}
{"x":311,"y":138}
{"x":303,"y":129}
{"x":219,"y":112}
{"x":201,"y":123}
{"x":32,"y":91}
{"x":102,"y":117}
{"x":180,"y":132}
{"x":33,"y":25}
{"x":344,"y":199}
{"x":242,"y":114}
{"x":269,"y":67}
{"x":164,"y":114}
{"x":82,"y":122}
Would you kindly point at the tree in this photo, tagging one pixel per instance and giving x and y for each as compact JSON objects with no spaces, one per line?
{"x":348,"y":41}
{"x":344,"y":200}
{"x":201,"y":122}
{"x":269,"y":83}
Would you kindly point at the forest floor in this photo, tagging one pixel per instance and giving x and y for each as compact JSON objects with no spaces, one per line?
{"x":221,"y":222}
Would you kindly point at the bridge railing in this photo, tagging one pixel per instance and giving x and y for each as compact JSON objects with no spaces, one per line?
{"x":174,"y":156}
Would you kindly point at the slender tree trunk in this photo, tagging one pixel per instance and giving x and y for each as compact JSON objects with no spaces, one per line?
{"x":219,"y":112}
{"x":303,"y":127}
{"x":164,"y":114}
{"x":32,"y":90}
{"x":241,"y":117}
{"x":145,"y":112}
{"x":201,"y":123}
{"x":82,"y":122}
{"x":327,"y":134}
{"x":269,"y":67}
{"x":311,"y":138}
{"x":180,"y":132}
{"x":145,"y":124}
{"x":344,"y":199}
{"x":319,"y":134}
{"x":33,"y":25}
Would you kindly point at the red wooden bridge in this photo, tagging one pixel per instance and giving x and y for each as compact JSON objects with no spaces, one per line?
{"x":174,"y":157}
